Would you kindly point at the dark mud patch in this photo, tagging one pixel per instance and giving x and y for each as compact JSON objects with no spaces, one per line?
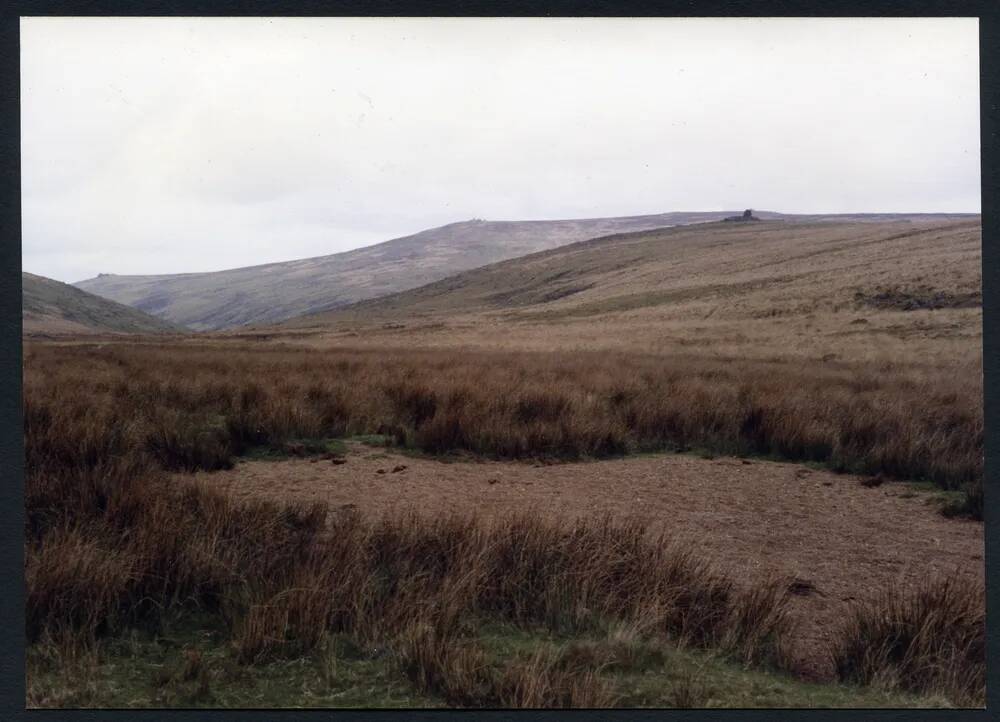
{"x":914,"y":298}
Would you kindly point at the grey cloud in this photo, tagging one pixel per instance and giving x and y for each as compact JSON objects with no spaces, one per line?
{"x":168,"y":145}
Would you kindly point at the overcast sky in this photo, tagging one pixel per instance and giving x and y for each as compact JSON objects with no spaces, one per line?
{"x":171,"y":145}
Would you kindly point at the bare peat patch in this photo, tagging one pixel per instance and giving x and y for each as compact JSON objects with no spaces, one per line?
{"x":914,"y":298}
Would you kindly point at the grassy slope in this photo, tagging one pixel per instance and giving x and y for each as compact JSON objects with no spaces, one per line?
{"x":278,"y":291}
{"x":710,"y":272}
{"x":53,"y":307}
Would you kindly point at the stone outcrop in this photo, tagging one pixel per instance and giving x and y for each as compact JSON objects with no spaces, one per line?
{"x":747,"y":216}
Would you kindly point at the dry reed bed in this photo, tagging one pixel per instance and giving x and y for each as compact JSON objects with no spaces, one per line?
{"x":932,"y":639}
{"x":194,"y":407}
{"x":110,"y":544}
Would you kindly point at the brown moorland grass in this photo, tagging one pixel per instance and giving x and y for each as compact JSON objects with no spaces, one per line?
{"x":111,"y":544}
{"x":932,"y":638}
{"x":284,"y":579}
{"x":894,"y":298}
{"x":190,"y":407}
{"x":774,"y":271}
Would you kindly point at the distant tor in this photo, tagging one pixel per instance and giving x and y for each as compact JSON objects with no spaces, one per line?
{"x":747,"y":216}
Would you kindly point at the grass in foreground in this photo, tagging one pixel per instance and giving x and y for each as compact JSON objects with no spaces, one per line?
{"x":929,"y":639}
{"x":453,"y":606}
{"x":189,"y":664}
{"x":113,"y":547}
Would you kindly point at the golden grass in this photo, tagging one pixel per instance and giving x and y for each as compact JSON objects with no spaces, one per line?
{"x":800,"y":291}
{"x":192,"y":407}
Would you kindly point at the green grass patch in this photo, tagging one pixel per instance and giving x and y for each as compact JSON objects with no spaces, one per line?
{"x":295,"y":447}
{"x":934,"y":494}
{"x":190,"y":663}
{"x":372,"y":439}
{"x":193,"y":665}
{"x":646,"y":673}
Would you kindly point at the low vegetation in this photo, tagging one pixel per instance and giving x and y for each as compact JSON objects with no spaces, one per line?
{"x":283,"y":582}
{"x":196,"y":407}
{"x":114,"y":549}
{"x":927,"y":639}
{"x":189,"y":664}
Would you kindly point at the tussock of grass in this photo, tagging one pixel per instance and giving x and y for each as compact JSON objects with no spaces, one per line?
{"x":930,"y":640}
{"x":195,"y":407}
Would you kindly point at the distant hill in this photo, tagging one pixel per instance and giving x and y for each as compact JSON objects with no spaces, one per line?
{"x":278,"y":291}
{"x":51,"y":308}
{"x":743,"y":272}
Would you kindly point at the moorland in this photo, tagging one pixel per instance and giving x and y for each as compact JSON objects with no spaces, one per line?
{"x":724,"y":464}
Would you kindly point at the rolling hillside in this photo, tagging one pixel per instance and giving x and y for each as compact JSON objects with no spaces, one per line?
{"x":53,"y":308}
{"x":278,"y":291}
{"x":814,"y":288}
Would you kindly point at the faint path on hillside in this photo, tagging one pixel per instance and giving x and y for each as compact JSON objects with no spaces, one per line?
{"x":752,"y":518}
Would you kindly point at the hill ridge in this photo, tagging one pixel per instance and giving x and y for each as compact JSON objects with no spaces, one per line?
{"x":275,"y":292}
{"x":629,"y":271}
{"x":272,"y":292}
{"x":50,"y":307}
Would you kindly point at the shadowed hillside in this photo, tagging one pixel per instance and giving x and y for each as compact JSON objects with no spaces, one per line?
{"x":51,"y":307}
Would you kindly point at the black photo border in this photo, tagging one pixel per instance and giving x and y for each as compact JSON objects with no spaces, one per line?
{"x":12,"y":682}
